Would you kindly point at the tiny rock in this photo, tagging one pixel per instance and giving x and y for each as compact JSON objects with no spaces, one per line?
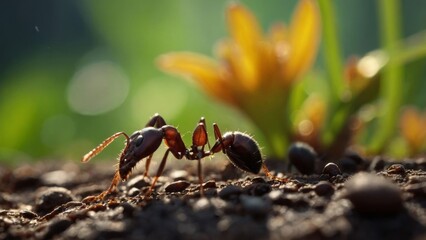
{"x":331,"y":169}
{"x":50,"y":198}
{"x":177,"y":186}
{"x":396,"y":169}
{"x":371,"y":194}
{"x":324,"y":188}
{"x":303,"y":157}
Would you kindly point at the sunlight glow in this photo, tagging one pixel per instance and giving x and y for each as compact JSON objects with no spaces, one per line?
{"x":97,"y":88}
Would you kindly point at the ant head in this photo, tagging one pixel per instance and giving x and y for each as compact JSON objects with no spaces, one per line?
{"x":140,"y":145}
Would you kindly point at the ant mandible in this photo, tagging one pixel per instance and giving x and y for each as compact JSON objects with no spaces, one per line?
{"x":242,"y":150}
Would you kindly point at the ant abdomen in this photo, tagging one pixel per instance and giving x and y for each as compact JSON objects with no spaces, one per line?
{"x":243,"y":151}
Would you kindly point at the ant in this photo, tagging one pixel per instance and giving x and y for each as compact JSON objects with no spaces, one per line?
{"x":242,"y":150}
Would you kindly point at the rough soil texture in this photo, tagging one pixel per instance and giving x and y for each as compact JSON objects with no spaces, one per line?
{"x":385,"y":201}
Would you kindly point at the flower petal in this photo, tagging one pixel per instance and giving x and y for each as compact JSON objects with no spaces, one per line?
{"x":303,"y":39}
{"x":412,"y":128}
{"x":204,"y":70}
{"x":246,"y":33}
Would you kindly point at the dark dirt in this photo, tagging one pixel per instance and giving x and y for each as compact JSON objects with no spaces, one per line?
{"x":359,"y":199}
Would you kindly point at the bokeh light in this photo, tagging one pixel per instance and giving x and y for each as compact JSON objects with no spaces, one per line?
{"x":97,"y":88}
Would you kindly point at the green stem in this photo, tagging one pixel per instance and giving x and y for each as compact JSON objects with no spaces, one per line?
{"x":333,"y":60}
{"x":268,"y":113}
{"x":414,"y":48}
{"x":391,"y":81}
{"x":331,"y":46}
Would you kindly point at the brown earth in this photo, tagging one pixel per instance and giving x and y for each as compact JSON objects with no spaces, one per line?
{"x":386,"y":201}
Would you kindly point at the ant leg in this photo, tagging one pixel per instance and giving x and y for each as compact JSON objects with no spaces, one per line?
{"x":156,"y":121}
{"x":147,"y":163}
{"x":200,"y":137}
{"x":270,"y":176}
{"x":218,"y":137}
{"x":200,"y":178}
{"x":101,"y":196}
{"x":159,"y":172}
{"x":203,"y":121}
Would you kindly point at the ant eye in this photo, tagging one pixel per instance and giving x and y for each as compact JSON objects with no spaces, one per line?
{"x":139,"y":140}
{"x":134,"y":134}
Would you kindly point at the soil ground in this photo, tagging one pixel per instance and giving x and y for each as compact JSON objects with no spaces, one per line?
{"x":44,"y":201}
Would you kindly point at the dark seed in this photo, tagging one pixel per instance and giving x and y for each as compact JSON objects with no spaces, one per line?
{"x":371,"y":194}
{"x":324,"y":188}
{"x":331,"y":169}
{"x":50,"y":198}
{"x":396,"y":169}
{"x":177,"y":186}
{"x":303,"y":157}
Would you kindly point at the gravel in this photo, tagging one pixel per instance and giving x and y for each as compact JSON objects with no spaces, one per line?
{"x":380,"y":200}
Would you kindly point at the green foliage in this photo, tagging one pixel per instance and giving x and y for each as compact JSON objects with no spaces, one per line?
{"x":36,"y":120}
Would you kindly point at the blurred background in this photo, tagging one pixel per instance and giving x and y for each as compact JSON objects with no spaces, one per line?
{"x":72,"y":73}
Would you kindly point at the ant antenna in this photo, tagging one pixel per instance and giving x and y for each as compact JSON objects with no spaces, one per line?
{"x":103,"y":145}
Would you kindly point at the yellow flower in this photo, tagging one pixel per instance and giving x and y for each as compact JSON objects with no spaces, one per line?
{"x":254,"y":72}
{"x":413,"y":130}
{"x":310,"y":119}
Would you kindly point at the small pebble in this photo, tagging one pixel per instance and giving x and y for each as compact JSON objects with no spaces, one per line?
{"x":371,"y":194}
{"x":258,"y":180}
{"x":177,"y":186}
{"x":230,"y":191}
{"x":138,"y":182}
{"x":56,"y":227}
{"x":128,"y":209}
{"x":50,"y":198}
{"x":57,"y":178}
{"x":255,"y":206}
{"x":306,"y":189}
{"x":303,"y":157}
{"x":257,"y":189}
{"x":133,"y":192}
{"x":418,"y":189}
{"x":277,"y":197}
{"x":331,"y":169}
{"x":396,"y":169}
{"x":210,"y":184}
{"x":202,"y":204}
{"x":378,"y":164}
{"x":348,"y":165}
{"x":416,"y":179}
{"x":28,"y":214}
{"x":177,"y":175}
{"x":324,"y":188}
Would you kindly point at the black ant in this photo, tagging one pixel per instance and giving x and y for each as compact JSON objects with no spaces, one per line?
{"x":242,"y":150}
